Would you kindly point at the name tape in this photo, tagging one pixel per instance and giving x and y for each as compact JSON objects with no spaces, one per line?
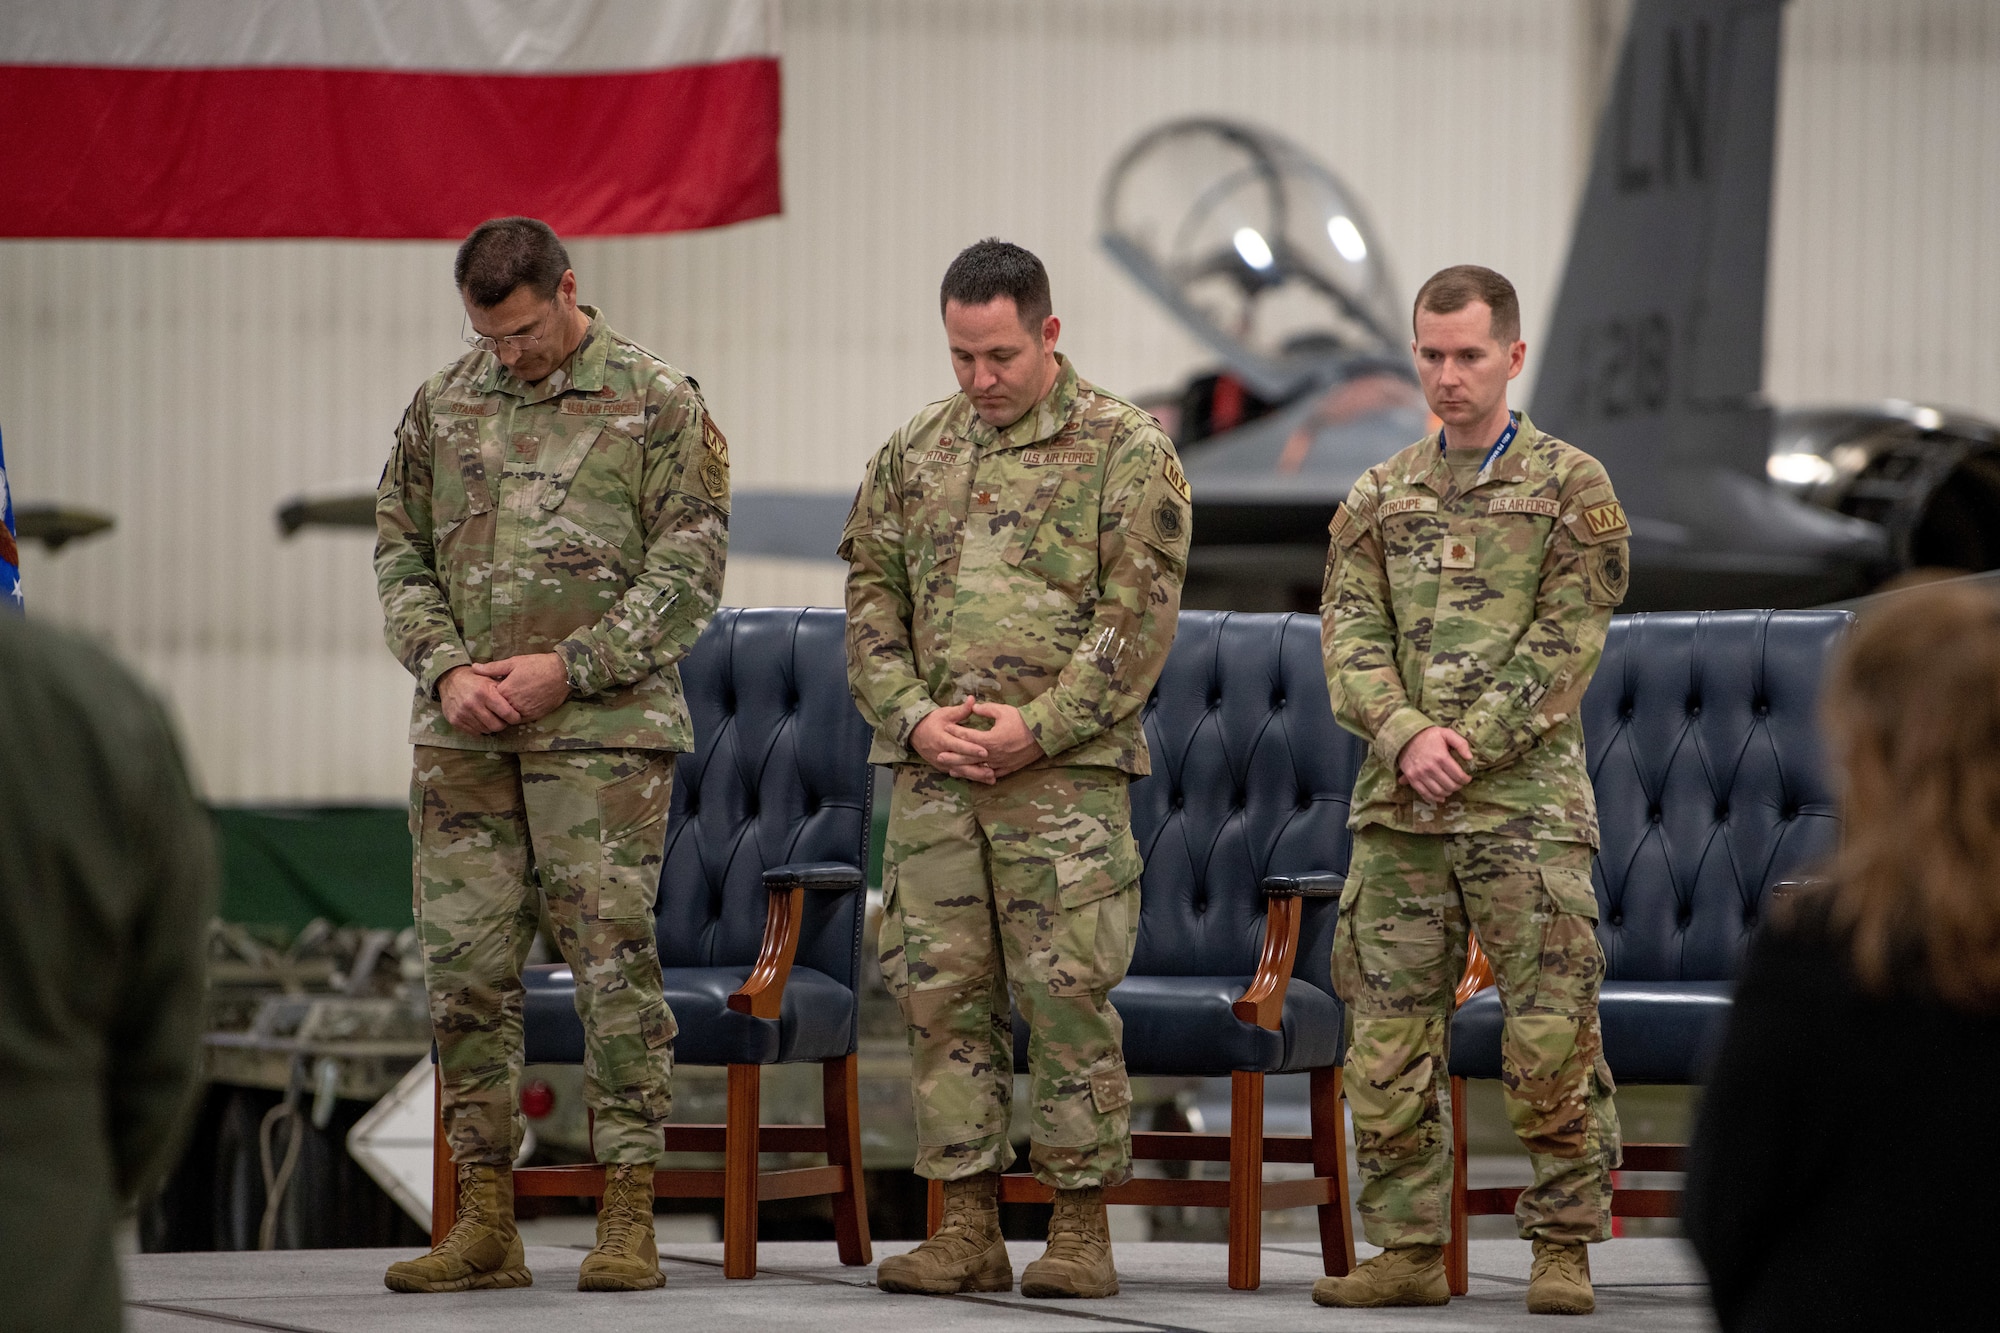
{"x":1058,"y":457}
{"x":1524,"y":504}
{"x":1409,"y":504}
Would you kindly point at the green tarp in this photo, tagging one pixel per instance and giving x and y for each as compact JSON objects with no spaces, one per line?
{"x":284,"y":865}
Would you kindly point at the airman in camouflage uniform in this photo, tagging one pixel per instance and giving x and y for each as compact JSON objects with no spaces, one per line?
{"x":578,"y":520}
{"x":1034,"y":566}
{"x":1471,"y":590}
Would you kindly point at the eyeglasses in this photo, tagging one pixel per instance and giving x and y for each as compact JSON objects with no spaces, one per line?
{"x":513,"y":342}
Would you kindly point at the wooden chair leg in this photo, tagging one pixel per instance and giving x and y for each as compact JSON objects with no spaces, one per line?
{"x":444,"y":1172}
{"x":1329,"y":1140}
{"x":739,"y":1172}
{"x":1457,"y":1258}
{"x":1246,"y":1179}
{"x":840,"y":1100}
{"x":933,"y":1207}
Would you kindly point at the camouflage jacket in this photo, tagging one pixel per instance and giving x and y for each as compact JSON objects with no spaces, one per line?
{"x":585,"y":515}
{"x":1039,"y":566}
{"x":1484,"y":612}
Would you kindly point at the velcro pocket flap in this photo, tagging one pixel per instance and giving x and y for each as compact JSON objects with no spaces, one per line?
{"x":1110,"y":1089}
{"x":556,"y":489}
{"x":1345,"y":530}
{"x":634,"y":802}
{"x":1031,"y":518}
{"x":1571,"y":891}
{"x":1105,"y":862}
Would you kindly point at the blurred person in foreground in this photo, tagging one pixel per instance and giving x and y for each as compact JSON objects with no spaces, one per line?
{"x":550,"y":530}
{"x":1837,"y":1177}
{"x":107,"y":883}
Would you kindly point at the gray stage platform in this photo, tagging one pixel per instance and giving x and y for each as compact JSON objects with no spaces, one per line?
{"x":1641,"y":1284}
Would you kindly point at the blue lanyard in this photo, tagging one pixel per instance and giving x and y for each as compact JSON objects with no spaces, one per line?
{"x":1499,"y":445}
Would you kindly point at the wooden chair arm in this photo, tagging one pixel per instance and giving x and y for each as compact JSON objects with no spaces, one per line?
{"x":1478,"y":971}
{"x":762,"y":994}
{"x":1263,"y":1000}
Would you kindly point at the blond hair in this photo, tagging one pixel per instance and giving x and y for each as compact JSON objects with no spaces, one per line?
{"x":1913,"y":706}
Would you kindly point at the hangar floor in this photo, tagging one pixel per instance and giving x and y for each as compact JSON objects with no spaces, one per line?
{"x":1650,"y":1284}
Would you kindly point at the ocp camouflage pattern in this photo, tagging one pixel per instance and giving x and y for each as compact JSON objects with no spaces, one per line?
{"x":590,"y":825}
{"x":1484,"y":612}
{"x":585,"y":515}
{"x":1039,"y":566}
{"x":1399,"y":951}
{"x":1031,"y":883}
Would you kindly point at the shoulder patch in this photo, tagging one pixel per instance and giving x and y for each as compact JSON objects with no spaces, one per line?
{"x":712,"y":436}
{"x":1525,"y":504}
{"x":1409,"y":504}
{"x":1170,"y":469}
{"x":1346,"y":529}
{"x":1605,"y":520}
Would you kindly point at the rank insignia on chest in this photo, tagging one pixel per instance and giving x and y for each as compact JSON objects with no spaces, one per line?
{"x":983,"y":502}
{"x":1457,"y":554}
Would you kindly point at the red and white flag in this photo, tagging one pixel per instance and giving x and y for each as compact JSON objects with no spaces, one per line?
{"x":384,"y":118}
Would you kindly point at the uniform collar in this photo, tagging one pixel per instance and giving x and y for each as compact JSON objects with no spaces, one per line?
{"x":584,"y":370}
{"x":1043,"y":421}
{"x":1429,"y":469}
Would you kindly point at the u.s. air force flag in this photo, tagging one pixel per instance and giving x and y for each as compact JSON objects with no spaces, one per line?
{"x":10,"y":552}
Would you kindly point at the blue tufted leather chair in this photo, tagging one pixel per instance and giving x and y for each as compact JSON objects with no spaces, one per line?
{"x":758,"y":922}
{"x":1243,"y":826}
{"x":1712,"y":788}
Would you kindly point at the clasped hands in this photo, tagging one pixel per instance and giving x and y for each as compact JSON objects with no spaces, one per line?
{"x":486,"y":697}
{"x":1433,"y":762}
{"x":951,"y":747}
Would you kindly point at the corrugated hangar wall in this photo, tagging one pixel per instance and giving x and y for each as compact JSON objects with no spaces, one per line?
{"x":188,"y":388}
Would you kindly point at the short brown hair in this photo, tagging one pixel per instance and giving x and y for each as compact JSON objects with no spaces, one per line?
{"x":505,"y":253}
{"x":992,"y":268}
{"x":1456,"y":287}
{"x":1913,"y":705}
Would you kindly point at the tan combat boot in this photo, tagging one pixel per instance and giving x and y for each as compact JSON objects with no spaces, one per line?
{"x":482,"y":1250}
{"x":1078,"y":1260}
{"x":966,"y":1254}
{"x":626,"y":1257}
{"x":1559,"y":1283}
{"x":1406,"y":1275}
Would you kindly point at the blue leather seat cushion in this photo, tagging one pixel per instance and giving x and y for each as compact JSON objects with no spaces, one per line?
{"x":1654,"y":1031}
{"x":817,"y":1020}
{"x":1183,"y":1026}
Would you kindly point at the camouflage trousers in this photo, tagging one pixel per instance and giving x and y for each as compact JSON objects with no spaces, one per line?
{"x":591,"y":826}
{"x":1399,"y":951}
{"x":1031,"y":883}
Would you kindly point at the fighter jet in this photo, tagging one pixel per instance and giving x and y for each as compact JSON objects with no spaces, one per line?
{"x":1652,"y":361}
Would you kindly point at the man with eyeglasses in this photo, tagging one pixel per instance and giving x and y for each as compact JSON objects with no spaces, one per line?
{"x":551,"y":528}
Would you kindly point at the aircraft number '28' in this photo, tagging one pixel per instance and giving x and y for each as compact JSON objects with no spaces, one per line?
{"x":1625,"y":363}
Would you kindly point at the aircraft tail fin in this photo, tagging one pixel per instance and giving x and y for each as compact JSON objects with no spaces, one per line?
{"x":1654,"y":356}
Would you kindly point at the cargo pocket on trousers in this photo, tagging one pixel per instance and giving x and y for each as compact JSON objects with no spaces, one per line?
{"x":1346,"y":961}
{"x":1097,"y":886}
{"x":631,"y":823}
{"x":1572,"y":962}
{"x":657,"y":1025}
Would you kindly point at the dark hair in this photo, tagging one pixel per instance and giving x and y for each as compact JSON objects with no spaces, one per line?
{"x":1459,"y":286}
{"x":993,"y":268}
{"x":506,"y":253}
{"x":1913,"y":705}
